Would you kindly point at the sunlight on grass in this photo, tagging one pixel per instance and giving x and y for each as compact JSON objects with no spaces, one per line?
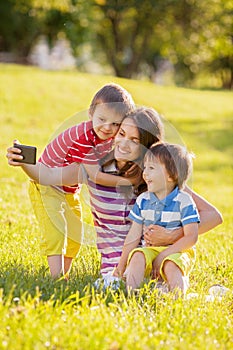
{"x":40,"y":313}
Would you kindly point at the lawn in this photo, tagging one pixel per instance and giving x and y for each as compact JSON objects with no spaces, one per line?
{"x":39,"y":313}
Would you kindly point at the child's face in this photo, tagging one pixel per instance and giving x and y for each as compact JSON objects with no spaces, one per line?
{"x":156,"y":176}
{"x":127,"y":142}
{"x":106,"y":121}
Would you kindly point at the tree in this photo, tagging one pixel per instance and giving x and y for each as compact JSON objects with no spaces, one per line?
{"x":133,"y":36}
{"x":18,"y":26}
{"x":221,"y":56}
{"x":23,"y":21}
{"x":194,"y":35}
{"x":199,"y":39}
{"x":69,"y":17}
{"x":124,"y":32}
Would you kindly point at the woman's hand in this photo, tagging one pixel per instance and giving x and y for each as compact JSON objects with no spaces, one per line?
{"x":157,"y":236}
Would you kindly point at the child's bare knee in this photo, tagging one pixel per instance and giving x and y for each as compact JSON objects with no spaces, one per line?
{"x":173,"y":276}
{"x":138,"y":258}
{"x":169,"y":267}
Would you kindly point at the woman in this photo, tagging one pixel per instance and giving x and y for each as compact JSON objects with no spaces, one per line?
{"x":110,"y":205}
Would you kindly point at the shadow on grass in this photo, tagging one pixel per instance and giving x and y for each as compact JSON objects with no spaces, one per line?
{"x":17,"y":281}
{"x":19,"y":286}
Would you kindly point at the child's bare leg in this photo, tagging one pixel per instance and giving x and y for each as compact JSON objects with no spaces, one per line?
{"x":56,"y":265}
{"x":136,"y":270}
{"x":67,"y":264}
{"x":174,"y":276}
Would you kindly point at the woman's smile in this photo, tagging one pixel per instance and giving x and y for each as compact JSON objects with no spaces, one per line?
{"x":122,"y":149}
{"x":127,"y":141}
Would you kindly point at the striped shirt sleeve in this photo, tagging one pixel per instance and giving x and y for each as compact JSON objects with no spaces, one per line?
{"x":189,"y":212}
{"x":135,"y":213}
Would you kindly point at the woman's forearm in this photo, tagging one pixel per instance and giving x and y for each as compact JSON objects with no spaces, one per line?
{"x":208,"y":220}
{"x":210,"y":217}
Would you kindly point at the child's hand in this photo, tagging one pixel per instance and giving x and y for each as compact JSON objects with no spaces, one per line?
{"x":134,"y":175}
{"x":157,"y":265}
{"x":133,"y":170}
{"x":156,"y":235}
{"x":13,"y":154}
{"x":117,"y":273}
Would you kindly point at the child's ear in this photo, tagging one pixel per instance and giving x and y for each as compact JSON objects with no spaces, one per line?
{"x":170,"y":179}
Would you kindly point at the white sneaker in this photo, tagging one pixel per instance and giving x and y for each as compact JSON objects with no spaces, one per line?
{"x":108,"y":280}
{"x":215,"y":292}
{"x":218,"y":290}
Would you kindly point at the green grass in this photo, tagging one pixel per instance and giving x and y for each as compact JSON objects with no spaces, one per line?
{"x":39,"y":313}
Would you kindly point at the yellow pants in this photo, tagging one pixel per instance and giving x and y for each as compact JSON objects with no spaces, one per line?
{"x":185,"y":260}
{"x":62,"y":219}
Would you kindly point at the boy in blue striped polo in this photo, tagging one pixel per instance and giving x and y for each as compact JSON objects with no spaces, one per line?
{"x":166,"y":169}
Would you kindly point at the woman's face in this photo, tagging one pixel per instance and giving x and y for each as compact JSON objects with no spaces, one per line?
{"x":127,"y":142}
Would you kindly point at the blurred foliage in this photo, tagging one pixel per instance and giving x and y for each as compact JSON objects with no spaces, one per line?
{"x":19,"y":26}
{"x":134,"y":38}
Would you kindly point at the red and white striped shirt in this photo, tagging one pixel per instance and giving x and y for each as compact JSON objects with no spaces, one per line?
{"x":78,"y":144}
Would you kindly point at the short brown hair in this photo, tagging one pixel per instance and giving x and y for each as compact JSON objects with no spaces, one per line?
{"x":116,"y":96}
{"x":149,"y":125}
{"x":176,"y":159}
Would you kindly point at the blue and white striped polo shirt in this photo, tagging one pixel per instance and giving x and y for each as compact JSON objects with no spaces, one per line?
{"x":175,"y":210}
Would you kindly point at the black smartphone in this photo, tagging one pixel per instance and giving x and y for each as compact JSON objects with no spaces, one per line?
{"x":28,"y":153}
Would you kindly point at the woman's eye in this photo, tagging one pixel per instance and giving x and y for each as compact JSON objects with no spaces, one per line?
{"x":115,"y":124}
{"x":148,"y":167}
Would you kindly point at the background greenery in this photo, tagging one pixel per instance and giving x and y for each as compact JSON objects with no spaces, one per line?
{"x":39,"y":313}
{"x":133,"y":38}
